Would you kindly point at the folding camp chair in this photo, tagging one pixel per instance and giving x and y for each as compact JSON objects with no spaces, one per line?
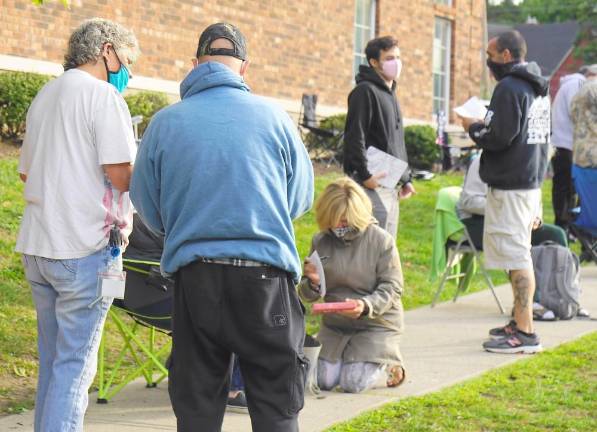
{"x":136,"y":121}
{"x":584,"y":227}
{"x":147,"y":303}
{"x":451,"y":237}
{"x":324,"y":145}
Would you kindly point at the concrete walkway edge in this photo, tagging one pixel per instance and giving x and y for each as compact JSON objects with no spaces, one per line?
{"x":441,"y":347}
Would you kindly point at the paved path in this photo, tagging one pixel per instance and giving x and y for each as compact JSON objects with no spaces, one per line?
{"x":442,"y":346}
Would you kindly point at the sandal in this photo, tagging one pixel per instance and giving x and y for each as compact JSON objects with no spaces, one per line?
{"x":396,"y":376}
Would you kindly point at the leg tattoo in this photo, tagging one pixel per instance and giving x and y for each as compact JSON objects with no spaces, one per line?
{"x":523,"y":287}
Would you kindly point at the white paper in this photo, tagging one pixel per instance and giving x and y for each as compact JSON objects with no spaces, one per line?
{"x":381,"y":162}
{"x":316,"y":261}
{"x":472,"y":108}
{"x":113,"y":285}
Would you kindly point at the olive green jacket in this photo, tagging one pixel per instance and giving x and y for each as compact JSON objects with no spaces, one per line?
{"x":363,"y":265}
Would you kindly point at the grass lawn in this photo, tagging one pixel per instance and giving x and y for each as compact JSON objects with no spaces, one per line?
{"x":552,"y":391}
{"x":18,"y":356}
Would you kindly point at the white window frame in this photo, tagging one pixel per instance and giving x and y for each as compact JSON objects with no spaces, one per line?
{"x":445,"y":74}
{"x":359,"y":57}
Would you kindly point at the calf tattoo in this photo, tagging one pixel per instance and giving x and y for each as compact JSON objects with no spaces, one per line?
{"x":521,"y":285}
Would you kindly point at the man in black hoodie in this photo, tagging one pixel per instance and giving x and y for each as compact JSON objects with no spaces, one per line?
{"x":514,"y":137}
{"x":374,"y":119}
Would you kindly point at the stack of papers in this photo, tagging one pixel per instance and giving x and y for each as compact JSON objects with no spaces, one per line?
{"x":472,"y":108}
{"x":379,"y":162}
{"x":316,"y":261}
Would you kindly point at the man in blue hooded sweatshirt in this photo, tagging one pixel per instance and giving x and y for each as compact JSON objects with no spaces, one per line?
{"x":222,"y":174}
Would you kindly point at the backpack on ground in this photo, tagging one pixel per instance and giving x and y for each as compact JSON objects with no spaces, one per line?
{"x":557,"y":279}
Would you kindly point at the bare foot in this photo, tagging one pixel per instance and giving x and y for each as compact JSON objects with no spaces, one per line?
{"x":395,"y":376}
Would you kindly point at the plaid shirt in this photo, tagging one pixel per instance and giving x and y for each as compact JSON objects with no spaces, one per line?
{"x":236,"y":262}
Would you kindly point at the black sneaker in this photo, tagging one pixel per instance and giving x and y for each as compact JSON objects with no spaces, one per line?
{"x":517,"y":342}
{"x":237,"y":403}
{"x":502,"y":332}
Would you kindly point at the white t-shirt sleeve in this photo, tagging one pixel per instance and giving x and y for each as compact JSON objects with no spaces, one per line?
{"x":113,"y":130}
{"x":26,"y":148}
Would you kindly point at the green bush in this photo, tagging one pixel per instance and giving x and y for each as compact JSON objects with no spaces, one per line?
{"x":422,"y":150}
{"x":17,"y":90}
{"x":146,"y":103}
{"x":335,"y":122}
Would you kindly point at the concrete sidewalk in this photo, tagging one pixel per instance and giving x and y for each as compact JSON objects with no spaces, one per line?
{"x":442,"y":346}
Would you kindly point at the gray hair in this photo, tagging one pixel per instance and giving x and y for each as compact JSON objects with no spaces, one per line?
{"x":588,"y":70}
{"x":86,"y":43}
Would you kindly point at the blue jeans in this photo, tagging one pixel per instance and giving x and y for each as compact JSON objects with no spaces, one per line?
{"x":69,"y":333}
{"x":236,"y":379}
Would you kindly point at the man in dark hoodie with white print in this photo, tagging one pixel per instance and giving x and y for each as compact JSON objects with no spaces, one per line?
{"x":374,"y":119}
{"x":514,"y":137}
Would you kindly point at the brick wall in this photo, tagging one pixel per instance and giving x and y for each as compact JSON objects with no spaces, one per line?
{"x":294,"y":46}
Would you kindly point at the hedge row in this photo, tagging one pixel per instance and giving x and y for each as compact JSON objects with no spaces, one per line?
{"x":17,"y":90}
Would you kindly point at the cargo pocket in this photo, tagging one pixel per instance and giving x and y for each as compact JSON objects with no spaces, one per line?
{"x":297,"y":384}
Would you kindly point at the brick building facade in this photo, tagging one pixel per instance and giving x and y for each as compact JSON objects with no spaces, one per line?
{"x":294,"y":46}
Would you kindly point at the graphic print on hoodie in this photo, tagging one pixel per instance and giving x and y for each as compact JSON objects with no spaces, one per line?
{"x":516,"y":131}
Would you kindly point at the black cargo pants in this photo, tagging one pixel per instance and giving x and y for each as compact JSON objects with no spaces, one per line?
{"x":253,"y":312}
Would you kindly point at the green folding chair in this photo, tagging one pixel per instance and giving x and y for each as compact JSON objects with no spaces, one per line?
{"x":144,"y":312}
{"x":450,"y":237}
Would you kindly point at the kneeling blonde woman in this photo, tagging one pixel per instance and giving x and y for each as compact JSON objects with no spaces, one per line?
{"x":358,"y":345}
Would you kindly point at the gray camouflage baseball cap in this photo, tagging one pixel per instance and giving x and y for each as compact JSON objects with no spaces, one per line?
{"x":222,"y":31}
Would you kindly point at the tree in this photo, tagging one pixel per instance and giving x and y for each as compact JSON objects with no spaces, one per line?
{"x":548,"y":11}
{"x":41,"y":2}
{"x":505,"y":13}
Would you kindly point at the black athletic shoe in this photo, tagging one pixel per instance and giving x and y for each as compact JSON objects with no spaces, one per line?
{"x":517,"y":342}
{"x":237,"y":403}
{"x":502,"y":332}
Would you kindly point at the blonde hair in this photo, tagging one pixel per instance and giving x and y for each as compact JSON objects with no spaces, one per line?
{"x":343,"y":199}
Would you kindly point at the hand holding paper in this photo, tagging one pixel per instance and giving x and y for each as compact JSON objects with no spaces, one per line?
{"x":379,"y":162}
{"x":472,"y":109}
{"x":313,"y":264}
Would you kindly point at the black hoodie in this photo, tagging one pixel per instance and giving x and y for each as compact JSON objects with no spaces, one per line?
{"x":515,"y":133}
{"x":373,"y":119}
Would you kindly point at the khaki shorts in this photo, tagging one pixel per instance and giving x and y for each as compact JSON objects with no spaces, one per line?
{"x":509,"y":218}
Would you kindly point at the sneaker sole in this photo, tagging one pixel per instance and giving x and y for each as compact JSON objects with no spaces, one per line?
{"x":528,"y":349}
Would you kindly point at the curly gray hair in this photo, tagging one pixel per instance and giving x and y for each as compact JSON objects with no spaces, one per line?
{"x":86,"y":43}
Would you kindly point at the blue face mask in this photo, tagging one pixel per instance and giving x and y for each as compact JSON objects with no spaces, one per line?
{"x":118,"y":79}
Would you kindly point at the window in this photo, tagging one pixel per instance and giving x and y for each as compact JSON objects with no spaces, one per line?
{"x":441,"y":65}
{"x":364,"y":30}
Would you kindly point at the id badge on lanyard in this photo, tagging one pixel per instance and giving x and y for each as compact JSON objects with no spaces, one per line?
{"x":112,"y":279}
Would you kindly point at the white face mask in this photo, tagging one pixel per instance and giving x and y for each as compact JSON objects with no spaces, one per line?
{"x":340,"y":232}
{"x":391,"y":69}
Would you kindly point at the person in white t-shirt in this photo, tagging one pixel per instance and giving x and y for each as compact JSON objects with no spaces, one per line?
{"x":76,"y":162}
